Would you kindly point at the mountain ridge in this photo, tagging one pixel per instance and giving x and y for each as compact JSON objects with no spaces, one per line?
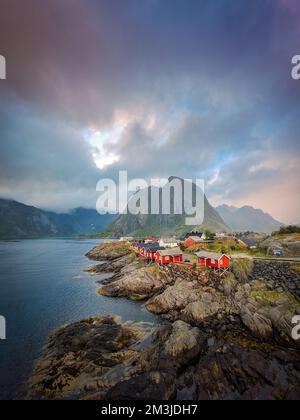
{"x":21,"y":221}
{"x":164,"y":224}
{"x":248,"y":218}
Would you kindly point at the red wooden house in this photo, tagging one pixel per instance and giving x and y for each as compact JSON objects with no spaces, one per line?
{"x":140,"y":247}
{"x":151,"y":251}
{"x":168,"y":256}
{"x":213,"y":260}
{"x":191,"y":240}
{"x":143,"y":250}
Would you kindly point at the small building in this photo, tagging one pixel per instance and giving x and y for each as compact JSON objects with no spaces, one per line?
{"x":213,"y":260}
{"x":151,"y":239}
{"x":168,"y":256}
{"x":220,"y":235}
{"x":168,"y":242}
{"x":126,"y":239}
{"x":151,"y":251}
{"x":192,"y":240}
{"x":194,"y":233}
{"x":249,"y":242}
{"x":139,"y":247}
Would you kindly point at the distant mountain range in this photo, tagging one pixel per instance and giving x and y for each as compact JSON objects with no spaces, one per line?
{"x":19,"y":221}
{"x":248,"y":218}
{"x":161,"y":224}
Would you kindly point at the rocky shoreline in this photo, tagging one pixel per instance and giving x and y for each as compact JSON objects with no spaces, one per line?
{"x":225,"y":337}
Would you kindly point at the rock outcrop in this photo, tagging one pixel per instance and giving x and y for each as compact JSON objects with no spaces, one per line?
{"x":109,"y":251}
{"x":136,"y":282}
{"x":221,"y":337}
{"x":100,"y":358}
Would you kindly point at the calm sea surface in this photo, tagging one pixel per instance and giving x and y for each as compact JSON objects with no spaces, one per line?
{"x":42,"y":286}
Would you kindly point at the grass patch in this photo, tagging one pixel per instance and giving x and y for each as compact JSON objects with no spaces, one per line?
{"x":242,"y":268}
{"x":271,"y":297}
{"x":296,"y":267}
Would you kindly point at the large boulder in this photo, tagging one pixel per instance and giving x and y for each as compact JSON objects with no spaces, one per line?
{"x":183,"y":344}
{"x":207,"y":305}
{"x":175,"y":297}
{"x":268,"y":313}
{"x":137,"y":283}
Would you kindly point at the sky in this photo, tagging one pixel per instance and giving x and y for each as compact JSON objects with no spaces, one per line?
{"x":197,"y":89}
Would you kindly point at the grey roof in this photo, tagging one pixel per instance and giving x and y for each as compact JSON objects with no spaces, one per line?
{"x":249,"y":241}
{"x":154,"y":248}
{"x":173,"y":252}
{"x":214,"y":255}
{"x":169,"y":240}
{"x":195,"y":238}
{"x":139,"y":245}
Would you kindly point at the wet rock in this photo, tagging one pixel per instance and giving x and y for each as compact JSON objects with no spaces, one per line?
{"x":147,"y":386}
{"x":86,"y":355}
{"x":237,"y":373}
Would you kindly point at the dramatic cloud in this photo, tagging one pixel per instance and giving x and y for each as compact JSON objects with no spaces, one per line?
{"x":156,"y":87}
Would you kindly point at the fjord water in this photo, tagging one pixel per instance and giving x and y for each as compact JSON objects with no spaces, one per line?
{"x":43,"y":286}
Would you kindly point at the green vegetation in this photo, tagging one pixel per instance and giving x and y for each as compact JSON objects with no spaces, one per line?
{"x":296,"y":267}
{"x":287,"y":230}
{"x":209,"y":235}
{"x":272,"y":296}
{"x":228,"y":246}
{"x":115,"y":246}
{"x":242,"y":268}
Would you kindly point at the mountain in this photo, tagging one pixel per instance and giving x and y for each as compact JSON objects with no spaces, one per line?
{"x":19,"y":221}
{"x":162,"y":224}
{"x":248,"y":218}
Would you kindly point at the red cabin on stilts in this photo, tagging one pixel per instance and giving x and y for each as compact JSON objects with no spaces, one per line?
{"x":168,"y":256}
{"x":213,"y":260}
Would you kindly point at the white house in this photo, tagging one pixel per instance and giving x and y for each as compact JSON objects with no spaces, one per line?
{"x":126,"y":239}
{"x":168,"y":242}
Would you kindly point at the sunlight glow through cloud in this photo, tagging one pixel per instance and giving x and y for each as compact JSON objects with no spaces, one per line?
{"x":99,"y":141}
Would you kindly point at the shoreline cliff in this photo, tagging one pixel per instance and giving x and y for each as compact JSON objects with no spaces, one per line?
{"x":225,"y":337}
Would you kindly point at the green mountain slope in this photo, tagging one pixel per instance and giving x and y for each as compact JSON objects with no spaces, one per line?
{"x":161,"y":224}
{"x":19,"y":221}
